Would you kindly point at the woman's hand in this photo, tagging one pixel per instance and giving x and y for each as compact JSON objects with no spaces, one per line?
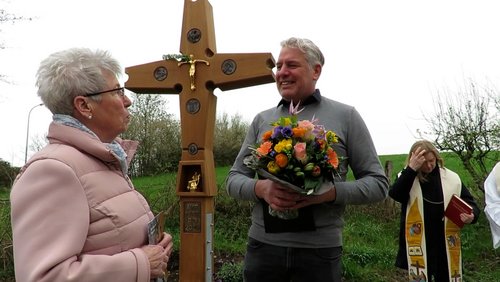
{"x":466,"y":217}
{"x":417,"y":159}
{"x":158,"y":259}
{"x":159,"y":255}
{"x":167,"y":243}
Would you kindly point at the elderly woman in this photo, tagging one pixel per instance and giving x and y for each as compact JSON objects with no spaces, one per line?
{"x":429,"y":243}
{"x":75,"y":213}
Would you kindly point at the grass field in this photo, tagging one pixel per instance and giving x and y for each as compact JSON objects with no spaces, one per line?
{"x":370,"y":234}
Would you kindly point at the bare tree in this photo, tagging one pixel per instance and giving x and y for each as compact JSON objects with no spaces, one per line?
{"x":158,"y":133}
{"x":467,"y":123}
{"x":229,"y":136}
{"x":6,"y":17}
{"x":38,"y":142}
{"x":493,"y":94}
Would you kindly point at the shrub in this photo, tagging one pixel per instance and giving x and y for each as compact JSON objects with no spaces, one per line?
{"x":7,"y":174}
{"x":230,"y":272}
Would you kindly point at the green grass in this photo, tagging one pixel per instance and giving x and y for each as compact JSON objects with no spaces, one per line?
{"x":370,"y":234}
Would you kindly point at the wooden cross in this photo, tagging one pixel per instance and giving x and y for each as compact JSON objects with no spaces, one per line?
{"x":194,"y":79}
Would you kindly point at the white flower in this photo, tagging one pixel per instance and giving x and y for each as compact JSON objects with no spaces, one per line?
{"x":295,"y":110}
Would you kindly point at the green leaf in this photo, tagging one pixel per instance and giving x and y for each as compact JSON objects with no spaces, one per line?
{"x":176,"y":57}
{"x":311,"y":185}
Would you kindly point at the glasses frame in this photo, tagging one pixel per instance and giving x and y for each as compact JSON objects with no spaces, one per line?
{"x":120,"y":91}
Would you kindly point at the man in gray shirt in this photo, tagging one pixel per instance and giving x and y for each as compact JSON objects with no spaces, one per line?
{"x":309,"y":247}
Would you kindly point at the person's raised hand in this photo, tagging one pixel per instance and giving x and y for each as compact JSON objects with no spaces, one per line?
{"x":417,"y":159}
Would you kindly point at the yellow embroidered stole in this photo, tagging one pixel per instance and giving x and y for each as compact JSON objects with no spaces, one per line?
{"x":415,"y":235}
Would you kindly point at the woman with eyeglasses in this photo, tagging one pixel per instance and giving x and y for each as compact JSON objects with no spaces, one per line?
{"x":75,"y":213}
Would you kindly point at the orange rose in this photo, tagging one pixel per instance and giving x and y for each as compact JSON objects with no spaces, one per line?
{"x":299,"y":132}
{"x":267,"y":135}
{"x":281,"y":160}
{"x":264,"y":148}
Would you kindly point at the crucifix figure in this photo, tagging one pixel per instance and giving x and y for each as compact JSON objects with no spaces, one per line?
{"x":192,"y":68}
{"x":197,"y":109}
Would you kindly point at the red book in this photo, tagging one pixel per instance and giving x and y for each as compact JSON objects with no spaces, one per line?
{"x":455,"y":207}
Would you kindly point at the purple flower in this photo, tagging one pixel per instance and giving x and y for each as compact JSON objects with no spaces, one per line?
{"x":319,"y":131}
{"x":287,"y":132}
{"x":277,"y":132}
{"x":316,"y":146}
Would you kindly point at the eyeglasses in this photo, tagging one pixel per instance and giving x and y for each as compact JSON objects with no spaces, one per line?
{"x":120,"y":91}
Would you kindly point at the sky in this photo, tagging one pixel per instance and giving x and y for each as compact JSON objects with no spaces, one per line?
{"x":387,"y":58}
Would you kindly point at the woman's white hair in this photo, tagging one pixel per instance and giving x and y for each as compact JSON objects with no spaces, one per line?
{"x":73,"y":72}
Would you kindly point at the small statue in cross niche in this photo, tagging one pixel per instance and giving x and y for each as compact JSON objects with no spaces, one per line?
{"x":193,"y":183}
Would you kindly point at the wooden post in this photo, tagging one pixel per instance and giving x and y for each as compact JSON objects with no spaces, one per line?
{"x":194,"y":79}
{"x":389,"y":204}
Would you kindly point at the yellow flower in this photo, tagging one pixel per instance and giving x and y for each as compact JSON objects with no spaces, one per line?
{"x":287,"y":121}
{"x":285,"y":144}
{"x":272,"y":167}
{"x":331,"y":137}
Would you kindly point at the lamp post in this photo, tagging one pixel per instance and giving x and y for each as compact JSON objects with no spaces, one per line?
{"x":28,"y":132}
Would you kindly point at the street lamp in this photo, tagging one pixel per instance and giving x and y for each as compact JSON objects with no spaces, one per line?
{"x":28,"y":132}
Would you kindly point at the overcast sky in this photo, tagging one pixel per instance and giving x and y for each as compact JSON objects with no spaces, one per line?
{"x":386,"y":57}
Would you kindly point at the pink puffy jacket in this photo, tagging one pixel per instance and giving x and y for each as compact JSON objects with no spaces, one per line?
{"x":76,"y":216}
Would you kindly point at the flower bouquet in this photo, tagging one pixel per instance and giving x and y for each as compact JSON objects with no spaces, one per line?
{"x":297,"y":154}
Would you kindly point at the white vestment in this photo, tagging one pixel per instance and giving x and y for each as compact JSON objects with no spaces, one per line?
{"x":492,"y":198}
